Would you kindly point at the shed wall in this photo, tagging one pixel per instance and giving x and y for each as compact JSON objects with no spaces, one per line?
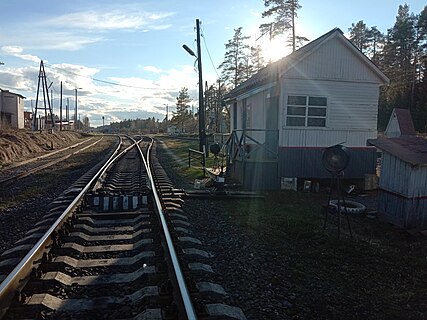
{"x":402,"y":193}
{"x":403,"y":212}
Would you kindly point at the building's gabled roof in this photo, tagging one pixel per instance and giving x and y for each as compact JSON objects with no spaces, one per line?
{"x":15,"y":94}
{"x":410,"y":149}
{"x":272,"y":72}
{"x":404,"y":121}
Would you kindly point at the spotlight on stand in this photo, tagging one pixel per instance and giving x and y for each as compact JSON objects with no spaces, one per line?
{"x":215,"y":149}
{"x":335,"y":159}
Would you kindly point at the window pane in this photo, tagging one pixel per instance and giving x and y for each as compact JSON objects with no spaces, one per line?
{"x":296,"y":111}
{"x":317,"y":112}
{"x":317,"y":101}
{"x":298,"y":100}
{"x":295,"y":121}
{"x":316,"y":122}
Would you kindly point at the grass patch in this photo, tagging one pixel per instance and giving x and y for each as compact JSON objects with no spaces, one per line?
{"x":378,"y":274}
{"x":180,"y":149}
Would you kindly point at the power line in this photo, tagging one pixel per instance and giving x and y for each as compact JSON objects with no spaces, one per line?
{"x":209,"y":54}
{"x":109,"y":82}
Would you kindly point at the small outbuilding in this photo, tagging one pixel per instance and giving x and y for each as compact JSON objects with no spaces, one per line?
{"x":11,"y":110}
{"x":283,"y":117}
{"x":400,"y":124}
{"x":402,"y":192}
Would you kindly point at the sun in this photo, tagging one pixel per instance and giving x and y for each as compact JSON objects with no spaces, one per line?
{"x":274,"y":49}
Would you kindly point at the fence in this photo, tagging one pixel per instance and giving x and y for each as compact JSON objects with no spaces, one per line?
{"x":199,"y":156}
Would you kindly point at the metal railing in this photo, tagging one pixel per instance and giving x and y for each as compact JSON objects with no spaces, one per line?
{"x":199,"y":156}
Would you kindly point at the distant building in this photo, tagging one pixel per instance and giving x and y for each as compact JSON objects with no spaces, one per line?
{"x":11,"y":110}
{"x":400,"y":124}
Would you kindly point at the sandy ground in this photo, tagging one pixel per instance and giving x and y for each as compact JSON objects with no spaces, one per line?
{"x":17,"y":145}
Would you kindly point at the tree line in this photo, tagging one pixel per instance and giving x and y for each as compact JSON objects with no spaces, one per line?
{"x":400,"y":53}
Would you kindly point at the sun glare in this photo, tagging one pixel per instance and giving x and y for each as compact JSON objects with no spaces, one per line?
{"x":275,"y":49}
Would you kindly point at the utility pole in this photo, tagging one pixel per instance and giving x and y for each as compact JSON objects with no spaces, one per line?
{"x":202,"y":128}
{"x":75,"y":111}
{"x":45,"y":90}
{"x":67,"y":113}
{"x":60,"y":110}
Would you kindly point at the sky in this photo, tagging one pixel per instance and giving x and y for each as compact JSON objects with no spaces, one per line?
{"x":125,"y":58}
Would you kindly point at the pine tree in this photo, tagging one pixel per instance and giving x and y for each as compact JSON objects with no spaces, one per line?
{"x":284,"y":13}
{"x":359,"y":35}
{"x":376,"y":38}
{"x":181,"y":115}
{"x":233,"y":66}
{"x":257,"y":59}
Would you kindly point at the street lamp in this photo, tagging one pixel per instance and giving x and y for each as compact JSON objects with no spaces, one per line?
{"x":202,"y":130}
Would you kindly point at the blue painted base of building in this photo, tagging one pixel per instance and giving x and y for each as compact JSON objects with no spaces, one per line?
{"x":299,"y":162}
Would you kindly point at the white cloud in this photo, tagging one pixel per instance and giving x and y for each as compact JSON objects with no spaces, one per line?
{"x":152,"y":69}
{"x":112,"y":20}
{"x":17,"y":52}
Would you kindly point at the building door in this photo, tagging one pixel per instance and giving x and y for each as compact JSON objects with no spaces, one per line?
{"x":272,"y":125}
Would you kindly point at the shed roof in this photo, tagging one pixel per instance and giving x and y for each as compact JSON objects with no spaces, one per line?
{"x":272,"y":72}
{"x":410,"y":149}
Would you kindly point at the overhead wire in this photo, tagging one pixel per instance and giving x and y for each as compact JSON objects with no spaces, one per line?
{"x":209,"y":54}
{"x":105,"y":81}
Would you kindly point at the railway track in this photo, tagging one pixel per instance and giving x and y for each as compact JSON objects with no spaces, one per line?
{"x":25,"y":168}
{"x":117,"y":245}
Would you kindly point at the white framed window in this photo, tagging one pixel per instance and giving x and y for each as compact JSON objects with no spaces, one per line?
{"x":306,"y":111}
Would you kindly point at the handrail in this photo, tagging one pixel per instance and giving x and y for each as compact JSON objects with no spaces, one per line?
{"x":12,"y":282}
{"x":189,"y":309}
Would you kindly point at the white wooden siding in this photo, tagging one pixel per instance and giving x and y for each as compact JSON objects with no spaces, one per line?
{"x":308,"y":137}
{"x":351,"y":113}
{"x":257,"y":116}
{"x":334,"y":60}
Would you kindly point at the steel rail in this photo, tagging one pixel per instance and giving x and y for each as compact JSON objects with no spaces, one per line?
{"x":14,"y":280}
{"x":188,"y":305}
{"x":99,"y":181}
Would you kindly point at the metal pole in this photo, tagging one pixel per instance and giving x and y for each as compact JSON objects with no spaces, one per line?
{"x":202,"y":130}
{"x":75,"y":111}
{"x":60,"y":110}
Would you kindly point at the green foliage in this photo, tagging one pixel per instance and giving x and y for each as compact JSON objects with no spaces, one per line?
{"x":235,"y":59}
{"x":401,"y":56}
{"x":182,"y":117}
{"x":136,"y":125}
{"x":284,"y":13}
{"x":217,"y":118}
